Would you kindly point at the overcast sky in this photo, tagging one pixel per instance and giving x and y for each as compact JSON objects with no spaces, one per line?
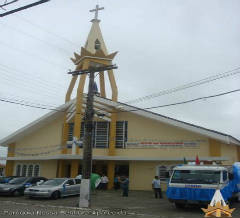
{"x":162,"y":44}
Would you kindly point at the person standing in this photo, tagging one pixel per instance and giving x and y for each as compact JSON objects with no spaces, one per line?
{"x":156,"y":185}
{"x":116,"y":182}
{"x":124,"y":185}
{"x":104,"y":182}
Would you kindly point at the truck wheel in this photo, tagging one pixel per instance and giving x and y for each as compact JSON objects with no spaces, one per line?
{"x":55,"y":195}
{"x":180,"y":205}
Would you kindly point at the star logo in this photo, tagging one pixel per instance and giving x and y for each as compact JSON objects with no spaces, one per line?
{"x":218,"y":207}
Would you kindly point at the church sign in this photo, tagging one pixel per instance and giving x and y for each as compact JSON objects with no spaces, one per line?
{"x":147,"y":144}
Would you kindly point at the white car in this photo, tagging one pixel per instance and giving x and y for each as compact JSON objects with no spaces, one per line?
{"x":55,"y":188}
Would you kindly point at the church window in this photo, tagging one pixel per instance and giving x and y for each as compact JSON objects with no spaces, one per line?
{"x":101,"y":134}
{"x":30,"y":170}
{"x":70,"y":131}
{"x":121,"y":133}
{"x":163,"y":173}
{"x":36,"y":170}
{"x":18,"y":170}
{"x":24,"y":170}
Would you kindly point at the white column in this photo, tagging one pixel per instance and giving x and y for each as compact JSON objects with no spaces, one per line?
{"x":84,"y":200}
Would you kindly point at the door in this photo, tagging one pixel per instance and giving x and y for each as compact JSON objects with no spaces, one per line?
{"x":68,"y":187}
{"x":77,"y":186}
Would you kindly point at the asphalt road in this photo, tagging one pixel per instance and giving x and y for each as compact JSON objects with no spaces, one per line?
{"x":104,"y":204}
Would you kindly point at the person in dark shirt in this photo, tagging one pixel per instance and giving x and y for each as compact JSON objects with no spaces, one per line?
{"x":124,"y":185}
{"x":116,"y":182}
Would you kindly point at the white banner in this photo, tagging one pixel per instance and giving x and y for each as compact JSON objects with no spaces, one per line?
{"x":145,"y":144}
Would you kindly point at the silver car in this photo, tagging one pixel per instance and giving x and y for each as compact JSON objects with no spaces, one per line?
{"x":55,"y":188}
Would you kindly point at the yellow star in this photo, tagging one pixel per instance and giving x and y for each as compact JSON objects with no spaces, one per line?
{"x":218,"y":210}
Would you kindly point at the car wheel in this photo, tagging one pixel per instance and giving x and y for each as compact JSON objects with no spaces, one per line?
{"x":180,"y":206}
{"x":55,"y":195}
{"x":16,"y":193}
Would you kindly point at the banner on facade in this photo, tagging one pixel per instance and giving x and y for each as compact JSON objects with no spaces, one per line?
{"x":146,"y":144}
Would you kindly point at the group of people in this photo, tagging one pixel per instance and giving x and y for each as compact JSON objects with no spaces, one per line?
{"x":123,"y":183}
{"x":119,"y":182}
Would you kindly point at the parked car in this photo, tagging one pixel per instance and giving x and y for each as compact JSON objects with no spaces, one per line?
{"x":17,"y":186}
{"x":55,"y":188}
{"x":4,"y":180}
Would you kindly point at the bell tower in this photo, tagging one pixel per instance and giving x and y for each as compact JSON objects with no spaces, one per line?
{"x":93,"y":54}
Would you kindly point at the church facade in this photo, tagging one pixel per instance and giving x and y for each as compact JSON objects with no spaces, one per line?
{"x":125,"y":140}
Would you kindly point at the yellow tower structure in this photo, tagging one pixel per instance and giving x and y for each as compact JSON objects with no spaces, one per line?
{"x":93,"y":54}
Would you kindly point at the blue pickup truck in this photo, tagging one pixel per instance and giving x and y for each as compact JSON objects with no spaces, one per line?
{"x":196,"y":184}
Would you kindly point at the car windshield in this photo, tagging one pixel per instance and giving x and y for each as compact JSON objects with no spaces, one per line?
{"x":196,"y":177}
{"x":53,"y":182}
{"x":18,"y":180}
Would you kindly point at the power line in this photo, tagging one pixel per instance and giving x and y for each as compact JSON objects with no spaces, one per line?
{"x":25,"y":88}
{"x":46,"y":30}
{"x":7,"y":3}
{"x":34,"y":37}
{"x":24,"y":7}
{"x":137,"y":109}
{"x":29,"y":83}
{"x":189,"y":101}
{"x":31,"y":54}
{"x":186,"y":86}
{"x":56,"y":85}
{"x":27,"y":101}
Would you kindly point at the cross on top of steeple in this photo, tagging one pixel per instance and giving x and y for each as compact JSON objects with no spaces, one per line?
{"x":96,"y":11}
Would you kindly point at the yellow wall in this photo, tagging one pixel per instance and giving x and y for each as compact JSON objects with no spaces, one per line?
{"x":142,"y":128}
{"x":230,"y":151}
{"x":142,"y":173}
{"x":47,"y":136}
{"x":48,"y":168}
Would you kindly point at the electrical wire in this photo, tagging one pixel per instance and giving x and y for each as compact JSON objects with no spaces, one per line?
{"x":31,"y":55}
{"x":31,"y":76}
{"x":28,"y":83}
{"x":137,"y":109}
{"x":46,"y":30}
{"x":186,"y":86}
{"x":34,"y":37}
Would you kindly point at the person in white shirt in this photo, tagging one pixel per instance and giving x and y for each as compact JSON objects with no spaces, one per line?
{"x":104,"y":182}
{"x":156,"y":185}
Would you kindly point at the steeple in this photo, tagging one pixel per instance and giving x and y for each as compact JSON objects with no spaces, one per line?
{"x":95,"y":34}
{"x":93,"y":54}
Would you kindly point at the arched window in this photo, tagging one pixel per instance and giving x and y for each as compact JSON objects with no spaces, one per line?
{"x":24,"y":170}
{"x":18,"y":170}
{"x":30,"y":170}
{"x":36,"y":170}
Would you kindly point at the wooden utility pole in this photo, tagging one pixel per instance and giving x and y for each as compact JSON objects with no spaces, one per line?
{"x":85,"y":191}
{"x":88,"y":120}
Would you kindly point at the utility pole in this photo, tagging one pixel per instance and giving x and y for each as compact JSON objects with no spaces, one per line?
{"x":85,"y":189}
{"x":21,"y":8}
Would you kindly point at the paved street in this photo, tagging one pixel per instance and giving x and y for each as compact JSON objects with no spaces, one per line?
{"x":104,"y":204}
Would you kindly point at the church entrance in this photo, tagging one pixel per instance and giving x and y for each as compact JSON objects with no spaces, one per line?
{"x":99,"y":167}
{"x":122,"y":169}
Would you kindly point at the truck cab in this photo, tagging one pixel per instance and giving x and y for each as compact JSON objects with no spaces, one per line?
{"x":196,"y":184}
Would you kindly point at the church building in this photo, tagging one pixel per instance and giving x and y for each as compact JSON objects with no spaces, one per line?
{"x":126,"y":140}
